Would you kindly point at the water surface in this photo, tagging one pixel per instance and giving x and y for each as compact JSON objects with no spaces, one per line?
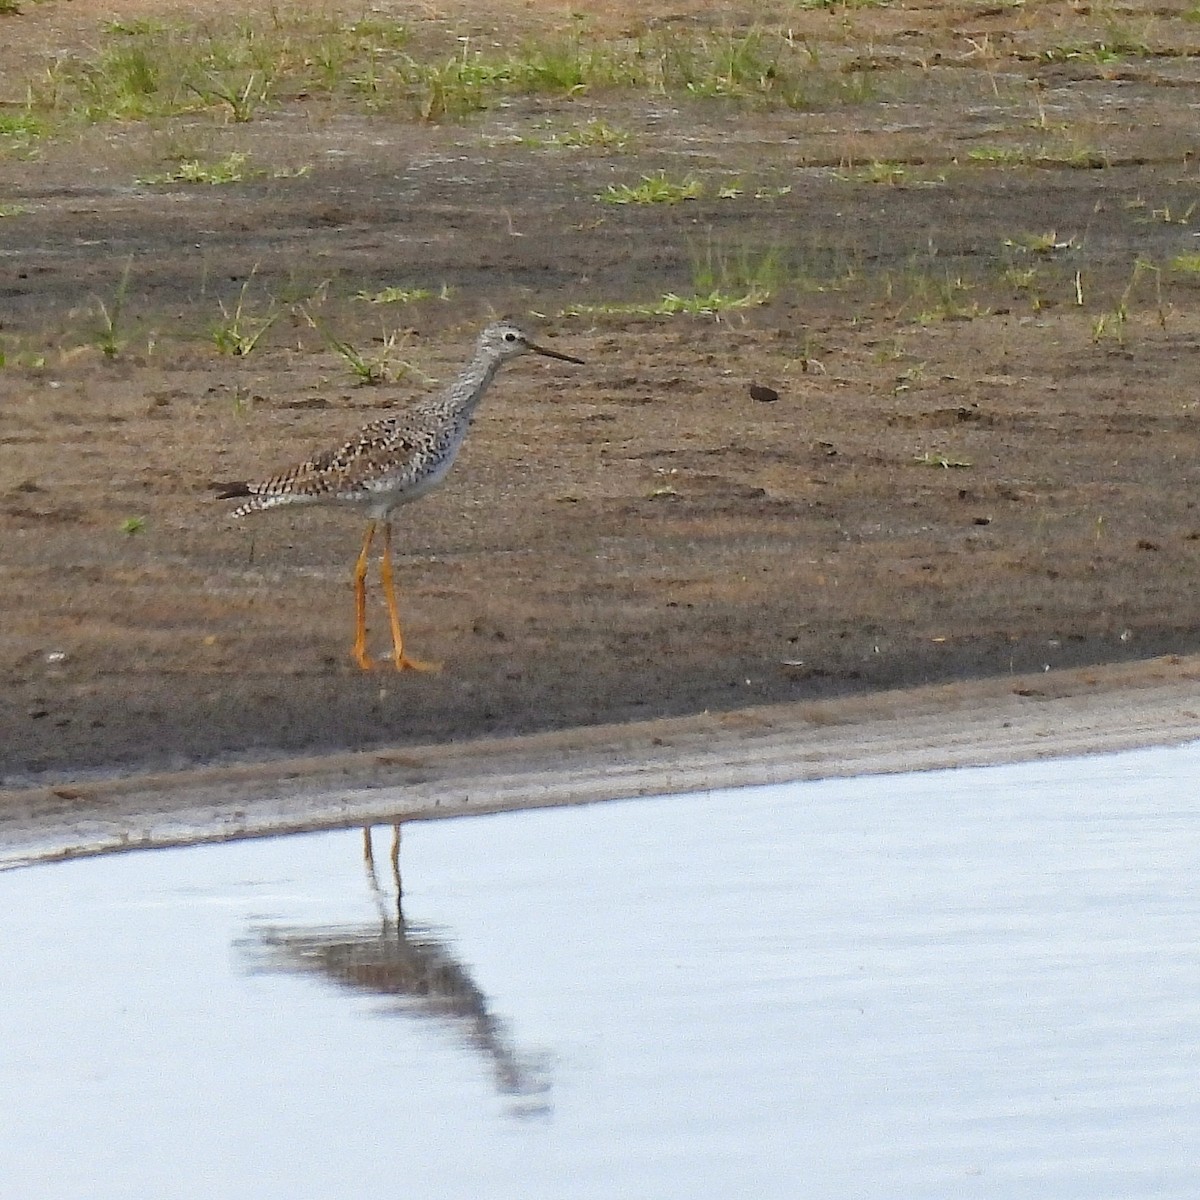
{"x":968,"y":983}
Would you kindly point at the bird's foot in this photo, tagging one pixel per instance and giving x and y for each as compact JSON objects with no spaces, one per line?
{"x":404,"y":663}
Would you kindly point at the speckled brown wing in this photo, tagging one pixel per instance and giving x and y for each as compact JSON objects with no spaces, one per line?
{"x":389,"y":455}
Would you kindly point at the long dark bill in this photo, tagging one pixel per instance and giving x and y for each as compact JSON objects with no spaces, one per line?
{"x":552,"y":353}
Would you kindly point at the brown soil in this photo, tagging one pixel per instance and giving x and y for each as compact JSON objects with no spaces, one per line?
{"x":982,"y":459}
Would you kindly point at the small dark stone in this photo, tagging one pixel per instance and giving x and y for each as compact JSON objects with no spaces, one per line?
{"x":764,"y":395}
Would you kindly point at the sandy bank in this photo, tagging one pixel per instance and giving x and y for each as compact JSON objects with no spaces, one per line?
{"x":965,"y":724}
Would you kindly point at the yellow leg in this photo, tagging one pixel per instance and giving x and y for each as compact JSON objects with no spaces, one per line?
{"x":401,"y":660}
{"x":360,"y":601}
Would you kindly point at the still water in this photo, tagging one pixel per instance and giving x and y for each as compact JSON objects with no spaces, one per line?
{"x":973,"y":983}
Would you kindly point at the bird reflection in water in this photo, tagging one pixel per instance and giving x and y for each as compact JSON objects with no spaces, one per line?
{"x":393,"y":958}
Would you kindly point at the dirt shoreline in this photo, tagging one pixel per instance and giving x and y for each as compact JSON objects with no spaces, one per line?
{"x":969,"y":724}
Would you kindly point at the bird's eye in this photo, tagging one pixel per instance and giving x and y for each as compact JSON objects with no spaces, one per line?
{"x":510,"y":337}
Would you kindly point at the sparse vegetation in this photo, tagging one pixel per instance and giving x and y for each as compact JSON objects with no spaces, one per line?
{"x":932,"y":458}
{"x":12,"y":355}
{"x":653,"y":189}
{"x":234,"y":168}
{"x":1039,"y":243}
{"x":239,"y":331}
{"x":146,"y":68}
{"x":242,"y":99}
{"x":143,"y":69}
{"x":1112,"y":324}
{"x":713,"y":304}
{"x":934,"y":297}
{"x":109,"y":339}
{"x":1024,"y":278}
{"x":734,"y":189}
{"x":1162,"y":212}
{"x":376,"y":368}
{"x":739,"y":271}
{"x":402,"y":295}
{"x":596,"y":134}
{"x":999,"y":156}
{"x":879,"y":172}
{"x":1118,"y":45}
{"x":1074,"y":156}
{"x":19,"y":132}
{"x":1029,"y":282}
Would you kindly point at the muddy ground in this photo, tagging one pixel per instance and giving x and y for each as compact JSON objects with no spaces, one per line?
{"x":981,"y":326}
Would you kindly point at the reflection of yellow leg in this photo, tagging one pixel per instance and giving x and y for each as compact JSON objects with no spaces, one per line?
{"x":372,"y":878}
{"x":401,"y":660}
{"x":396,"y":861}
{"x":360,"y":601}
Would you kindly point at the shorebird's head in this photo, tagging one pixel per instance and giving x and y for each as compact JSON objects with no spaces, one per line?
{"x":505,"y":340}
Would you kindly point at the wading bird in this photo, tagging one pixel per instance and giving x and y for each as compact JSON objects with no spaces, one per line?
{"x":388,"y":463}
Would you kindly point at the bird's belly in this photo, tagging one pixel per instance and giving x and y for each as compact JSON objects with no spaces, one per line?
{"x":386,"y":494}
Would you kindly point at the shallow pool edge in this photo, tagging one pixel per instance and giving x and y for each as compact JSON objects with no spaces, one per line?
{"x":977,"y":723}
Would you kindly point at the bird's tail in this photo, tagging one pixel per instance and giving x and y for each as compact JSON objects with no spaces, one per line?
{"x":257,"y":501}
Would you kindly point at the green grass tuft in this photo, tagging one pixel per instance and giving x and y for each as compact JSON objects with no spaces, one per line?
{"x":19,"y":132}
{"x":712,"y":304}
{"x":595,"y":135}
{"x":239,"y":330}
{"x":653,"y":189}
{"x":400,"y":295}
{"x":231,"y":169}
